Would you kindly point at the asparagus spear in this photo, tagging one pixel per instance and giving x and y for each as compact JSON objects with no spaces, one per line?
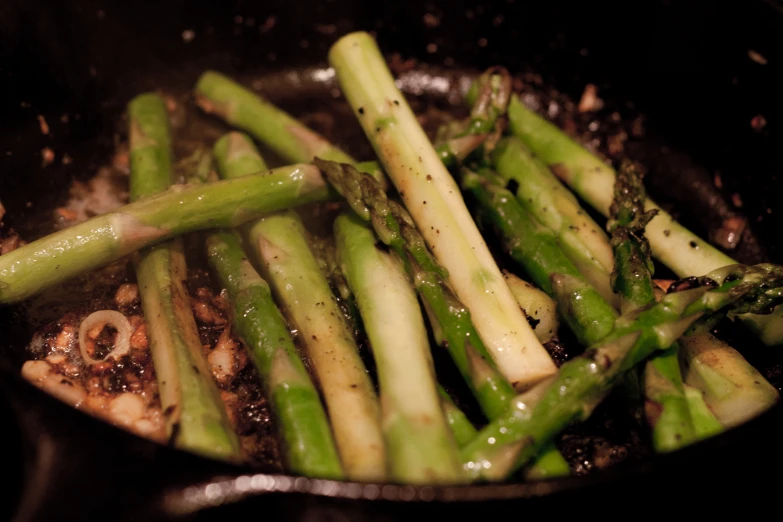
{"x":302,"y":421}
{"x":280,"y":247}
{"x":419,"y":446}
{"x":216,"y":94}
{"x":236,"y":156}
{"x":666,"y":407}
{"x":582,"y":383}
{"x":462,"y":429}
{"x":195,"y":417}
{"x":433,"y":199}
{"x":103,"y":239}
{"x":732,"y":388}
{"x":290,"y":139}
{"x":451,"y":320}
{"x":674,"y":245}
{"x":554,"y":206}
{"x":535,"y":247}
{"x":537,"y":305}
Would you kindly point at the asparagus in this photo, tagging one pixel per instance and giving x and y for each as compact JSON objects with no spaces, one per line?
{"x":732,"y":389}
{"x":554,"y":206}
{"x":106,"y":238}
{"x":302,"y":421}
{"x":674,"y":245}
{"x":279,"y":244}
{"x":236,"y":156}
{"x":433,"y":199}
{"x":194,"y":414}
{"x":537,"y":305}
{"x":666,"y":406}
{"x":419,"y":446}
{"x":451,"y":320}
{"x":216,"y":94}
{"x":536,"y":249}
{"x":462,"y":429}
{"x":290,"y":139}
{"x":582,"y":383}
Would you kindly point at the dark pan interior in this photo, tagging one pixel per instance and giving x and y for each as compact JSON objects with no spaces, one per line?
{"x":692,"y":69}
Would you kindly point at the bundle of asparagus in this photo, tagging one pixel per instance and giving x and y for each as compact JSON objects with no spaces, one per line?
{"x":420,"y":245}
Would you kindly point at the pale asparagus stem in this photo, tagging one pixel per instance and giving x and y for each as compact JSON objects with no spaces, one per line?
{"x":106,"y":238}
{"x":452,"y":324}
{"x":582,"y":383}
{"x":733,"y":389}
{"x":537,"y":305}
{"x":280,"y":247}
{"x":302,"y":422}
{"x":674,"y":245}
{"x":195,"y":417}
{"x":554,"y":206}
{"x":433,"y":199}
{"x":419,"y":447}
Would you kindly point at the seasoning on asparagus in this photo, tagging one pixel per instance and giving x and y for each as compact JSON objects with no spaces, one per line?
{"x":194,"y":413}
{"x":539,"y":308}
{"x":293,"y":141}
{"x":302,"y":422}
{"x":554,"y":206}
{"x":536,"y":249}
{"x":674,"y":245}
{"x":583,"y":382}
{"x":419,"y":447}
{"x":279,"y":244}
{"x":433,"y":200}
{"x":451,"y":320}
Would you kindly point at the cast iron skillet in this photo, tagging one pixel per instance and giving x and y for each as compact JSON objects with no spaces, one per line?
{"x":688,"y":67}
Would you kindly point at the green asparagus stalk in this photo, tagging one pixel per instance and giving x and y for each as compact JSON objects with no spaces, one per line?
{"x":419,"y":446}
{"x":554,"y":206}
{"x":666,"y":406}
{"x":106,"y":238}
{"x":302,"y":421}
{"x":451,"y":320}
{"x":537,"y":305}
{"x":434,"y":201}
{"x":732,"y":388}
{"x":462,"y":429}
{"x":279,"y":244}
{"x":194,"y":414}
{"x":236,"y":156}
{"x":216,"y":94}
{"x":583,"y":382}
{"x":674,"y":245}
{"x":536,"y":249}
